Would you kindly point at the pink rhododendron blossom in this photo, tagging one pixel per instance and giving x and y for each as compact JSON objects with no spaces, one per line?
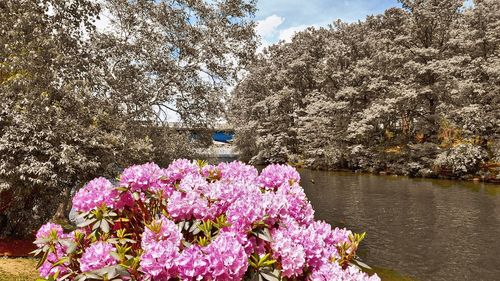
{"x":237,"y":171}
{"x":193,"y":264}
{"x":161,"y":248}
{"x":142,"y":177}
{"x":48,"y":269}
{"x":188,"y":222}
{"x":274,"y":176}
{"x":187,"y":205}
{"x":320,"y":244}
{"x":97,"y":256}
{"x":158,"y":259}
{"x":333,"y":272}
{"x":245,"y":211}
{"x":46,"y":229}
{"x":227,"y":258}
{"x":178,"y":169}
{"x":168,"y":231}
{"x":288,"y":248}
{"x":94,"y":194}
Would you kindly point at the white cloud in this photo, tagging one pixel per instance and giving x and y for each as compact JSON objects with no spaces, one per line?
{"x":287,"y":34}
{"x":268,"y":26}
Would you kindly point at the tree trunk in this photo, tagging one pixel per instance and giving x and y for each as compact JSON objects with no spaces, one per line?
{"x":63,"y":207}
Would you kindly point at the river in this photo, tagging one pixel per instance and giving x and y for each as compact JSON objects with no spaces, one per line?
{"x":420,"y":228}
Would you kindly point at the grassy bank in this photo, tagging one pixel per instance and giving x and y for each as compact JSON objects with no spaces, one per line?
{"x":18,"y":269}
{"x":23,"y":269}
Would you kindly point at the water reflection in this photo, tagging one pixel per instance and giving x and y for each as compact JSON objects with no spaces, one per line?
{"x":426,"y":229}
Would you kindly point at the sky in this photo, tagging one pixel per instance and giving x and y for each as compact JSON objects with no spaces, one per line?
{"x":280,"y":19}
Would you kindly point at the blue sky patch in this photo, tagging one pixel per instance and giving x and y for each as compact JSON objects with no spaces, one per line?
{"x":280,"y":19}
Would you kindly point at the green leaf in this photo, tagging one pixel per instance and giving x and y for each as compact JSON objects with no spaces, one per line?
{"x":136,"y":196}
{"x":263,"y":259}
{"x":181,"y":225}
{"x":264,"y":234}
{"x":269,"y":275}
{"x":36,"y":252}
{"x":115,"y":255}
{"x":361,"y":264}
{"x":41,"y":241}
{"x":105,"y":226}
{"x":42,"y":260}
{"x":87,"y":222}
{"x":96,"y":225}
{"x":61,"y":261}
{"x":70,"y":245}
{"x":194,"y":227}
{"x":82,"y":215}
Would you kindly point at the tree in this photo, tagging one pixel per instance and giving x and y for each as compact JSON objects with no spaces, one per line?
{"x":394,"y":92}
{"x":174,"y":56}
{"x":77,"y":102}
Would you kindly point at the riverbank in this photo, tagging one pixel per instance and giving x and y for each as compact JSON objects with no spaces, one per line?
{"x":411,"y":162}
{"x":469,"y":177}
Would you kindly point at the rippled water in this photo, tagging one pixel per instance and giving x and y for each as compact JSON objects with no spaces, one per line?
{"x":424,"y":229}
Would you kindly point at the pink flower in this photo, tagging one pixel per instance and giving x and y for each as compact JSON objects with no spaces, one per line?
{"x":48,"y":269}
{"x":161,"y":248}
{"x":242,"y":213}
{"x":187,"y":205}
{"x":168,"y":231}
{"x":319,"y":244}
{"x":276,"y":175}
{"x":302,"y":247}
{"x":237,"y":171}
{"x":332,"y":271}
{"x":228,"y":260}
{"x":288,"y":248}
{"x":48,"y":228}
{"x":97,"y":256}
{"x":158,"y":260}
{"x":94,"y":194}
{"x":192,"y":263}
{"x":144,"y":177}
{"x":178,"y":169}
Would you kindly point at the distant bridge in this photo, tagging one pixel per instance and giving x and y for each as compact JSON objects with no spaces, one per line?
{"x":221,"y":133}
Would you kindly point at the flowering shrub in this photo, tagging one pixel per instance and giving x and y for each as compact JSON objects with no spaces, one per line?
{"x":462,"y":159}
{"x":193,"y":221}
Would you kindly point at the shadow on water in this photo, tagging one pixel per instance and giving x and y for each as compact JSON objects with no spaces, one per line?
{"x":421,"y":228}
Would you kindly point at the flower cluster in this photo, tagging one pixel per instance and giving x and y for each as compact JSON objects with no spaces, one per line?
{"x":194,"y":221}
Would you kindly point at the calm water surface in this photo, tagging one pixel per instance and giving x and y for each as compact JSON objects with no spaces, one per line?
{"x":424,"y":229}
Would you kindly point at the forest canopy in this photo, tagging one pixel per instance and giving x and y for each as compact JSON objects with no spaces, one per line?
{"x":415,"y":91}
{"x":78,"y":101}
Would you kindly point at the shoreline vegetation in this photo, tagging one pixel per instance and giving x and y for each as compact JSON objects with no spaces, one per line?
{"x":433,"y":175}
{"x":413,"y":91}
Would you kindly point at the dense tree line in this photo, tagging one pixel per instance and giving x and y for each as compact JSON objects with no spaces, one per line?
{"x":78,"y":101}
{"x":413,"y":91}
